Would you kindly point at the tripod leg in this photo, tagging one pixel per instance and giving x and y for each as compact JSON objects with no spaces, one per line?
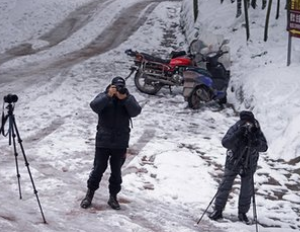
{"x":13,"y":136}
{"x":14,"y":125}
{"x":253,"y":196}
{"x":226,"y":175}
{"x":207,"y":207}
{"x":254,"y":210}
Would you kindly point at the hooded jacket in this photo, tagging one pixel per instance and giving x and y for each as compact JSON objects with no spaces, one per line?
{"x":240,"y":145}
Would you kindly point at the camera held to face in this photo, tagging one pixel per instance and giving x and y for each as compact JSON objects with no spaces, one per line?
{"x":249,"y":126}
{"x":121,"y":89}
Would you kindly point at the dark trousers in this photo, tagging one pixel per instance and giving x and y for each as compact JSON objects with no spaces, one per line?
{"x":246,"y":191}
{"x":116,"y":158}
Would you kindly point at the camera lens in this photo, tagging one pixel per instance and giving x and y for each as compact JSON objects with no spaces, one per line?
{"x":121,"y":89}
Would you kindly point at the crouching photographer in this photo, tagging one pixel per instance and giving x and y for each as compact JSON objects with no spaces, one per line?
{"x":244,"y":140}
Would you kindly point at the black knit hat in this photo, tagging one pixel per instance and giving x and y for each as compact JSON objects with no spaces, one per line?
{"x":247,"y":116}
{"x":118,"y":81}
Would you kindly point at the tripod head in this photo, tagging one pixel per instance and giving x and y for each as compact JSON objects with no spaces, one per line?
{"x":10,"y":99}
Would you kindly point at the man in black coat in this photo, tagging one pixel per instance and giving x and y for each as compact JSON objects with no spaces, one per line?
{"x":244,"y":140}
{"x":115,"y":108}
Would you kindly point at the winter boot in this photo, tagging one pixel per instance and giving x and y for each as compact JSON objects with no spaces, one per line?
{"x":113,"y":202}
{"x":243,"y":218}
{"x":87,"y":201}
{"x":215,"y":215}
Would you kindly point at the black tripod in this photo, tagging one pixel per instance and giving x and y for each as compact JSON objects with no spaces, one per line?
{"x":214,"y":197}
{"x":252,"y":180}
{"x":12,"y":133}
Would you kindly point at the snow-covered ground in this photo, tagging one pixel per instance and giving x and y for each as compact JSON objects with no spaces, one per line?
{"x":175,"y":159}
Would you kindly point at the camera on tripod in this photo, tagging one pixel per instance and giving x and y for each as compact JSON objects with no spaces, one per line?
{"x":14,"y":136}
{"x":10,"y":98}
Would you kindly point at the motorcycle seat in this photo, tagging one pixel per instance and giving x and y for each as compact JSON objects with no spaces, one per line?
{"x":175,"y":54}
{"x":219,"y":84}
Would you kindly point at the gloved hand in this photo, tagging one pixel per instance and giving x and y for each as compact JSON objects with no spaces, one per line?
{"x":245,"y":128}
{"x":243,"y":141}
{"x":255,"y":128}
{"x":250,"y":128}
{"x":254,"y":141}
{"x":242,"y":130}
{"x":241,"y":135}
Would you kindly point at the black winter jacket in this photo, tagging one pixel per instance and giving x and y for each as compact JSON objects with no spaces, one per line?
{"x":238,"y":145}
{"x":114,"y":117}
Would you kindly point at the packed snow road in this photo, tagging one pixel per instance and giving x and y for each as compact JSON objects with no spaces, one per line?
{"x":106,"y":39}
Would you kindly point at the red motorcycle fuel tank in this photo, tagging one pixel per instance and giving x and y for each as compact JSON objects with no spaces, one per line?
{"x":180,"y":61}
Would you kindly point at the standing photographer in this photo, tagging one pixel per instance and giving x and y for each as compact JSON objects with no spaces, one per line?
{"x":244,"y":140}
{"x":115,"y":108}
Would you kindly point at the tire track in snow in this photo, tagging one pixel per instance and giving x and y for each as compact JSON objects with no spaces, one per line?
{"x":118,"y":32}
{"x":74,"y":22}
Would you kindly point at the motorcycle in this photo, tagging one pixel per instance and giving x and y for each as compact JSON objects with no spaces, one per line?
{"x":202,"y":85}
{"x":152,"y":73}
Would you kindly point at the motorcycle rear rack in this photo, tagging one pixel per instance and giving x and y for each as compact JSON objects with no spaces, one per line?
{"x":155,"y":64}
{"x":154,"y":68}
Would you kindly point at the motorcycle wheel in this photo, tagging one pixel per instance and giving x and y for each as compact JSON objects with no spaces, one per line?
{"x":145,"y":85}
{"x":198,"y":97}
